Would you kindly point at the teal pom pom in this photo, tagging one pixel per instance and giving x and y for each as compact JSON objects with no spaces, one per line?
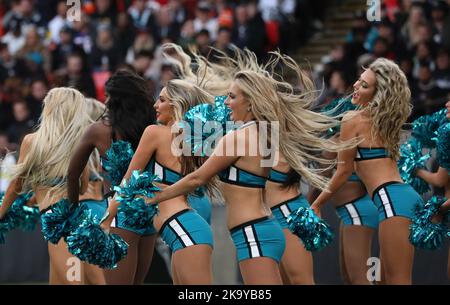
{"x":313,"y":231}
{"x":410,"y":159}
{"x":136,"y":214}
{"x":60,"y":220}
{"x":443,"y":146}
{"x":91,"y":244}
{"x":119,"y":156}
{"x":423,"y":232}
{"x":425,"y":127}
{"x":207,"y":124}
{"x":19,"y":215}
{"x":337,"y":107}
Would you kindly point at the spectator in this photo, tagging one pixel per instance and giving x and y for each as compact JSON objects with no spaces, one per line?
{"x":10,"y":66}
{"x":58,"y":22}
{"x":7,"y":160}
{"x":204,"y":21}
{"x":22,"y":124}
{"x":125,"y":34}
{"x":203,"y":42}
{"x":442,"y":72}
{"x":187,"y":35}
{"x":223,"y":43}
{"x":141,"y":15}
{"x":180,"y":14}
{"x":14,"y":38}
{"x":105,"y":13}
{"x":35,"y":54}
{"x":39,"y":89}
{"x":81,"y":34}
{"x":77,"y":75}
{"x":142,"y":63}
{"x":439,"y":12}
{"x":256,"y":30}
{"x":25,"y":15}
{"x":166,"y":27}
{"x":64,"y":48}
{"x":104,"y":55}
{"x":144,"y":42}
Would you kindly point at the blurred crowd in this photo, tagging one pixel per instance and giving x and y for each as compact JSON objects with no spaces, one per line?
{"x":40,"y":47}
{"x":416,"y":34}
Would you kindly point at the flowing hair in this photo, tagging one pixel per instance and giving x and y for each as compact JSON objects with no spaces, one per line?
{"x":63,"y":121}
{"x":300,"y":130}
{"x":129,"y":106}
{"x":390,"y":107}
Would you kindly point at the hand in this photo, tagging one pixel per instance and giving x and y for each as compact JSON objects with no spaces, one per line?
{"x":149,"y":200}
{"x":438,"y":218}
{"x":105,"y":223}
{"x":316,"y":208}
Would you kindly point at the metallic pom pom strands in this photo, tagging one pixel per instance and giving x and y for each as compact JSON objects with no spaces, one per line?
{"x":423,"y":232}
{"x":135,"y":212}
{"x":425,"y":127}
{"x":91,"y":244}
{"x":19,"y":216}
{"x":313,"y":231}
{"x":410,"y":159}
{"x":119,"y":156}
{"x":61,"y":220}
{"x":443,"y":146}
{"x":207,"y":124}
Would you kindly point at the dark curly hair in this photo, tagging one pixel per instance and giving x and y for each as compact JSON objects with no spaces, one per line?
{"x":130,"y":105}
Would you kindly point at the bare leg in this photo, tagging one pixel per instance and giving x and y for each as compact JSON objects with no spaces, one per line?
{"x":65,"y":269}
{"x":284,"y":276}
{"x":342,"y":266}
{"x":145,"y":254}
{"x":357,"y":245}
{"x":297,"y":261}
{"x":175,"y":279}
{"x":125,"y":271}
{"x":193,"y":265}
{"x":396,"y":250}
{"x":448,"y":264}
{"x":260,"y":271}
{"x":93,"y":275}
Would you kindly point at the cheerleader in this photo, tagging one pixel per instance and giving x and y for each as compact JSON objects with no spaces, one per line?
{"x":382,"y":92}
{"x":187,"y":234}
{"x":253,"y":98}
{"x":42,"y":166}
{"x":128,"y":112}
{"x":440,"y":179}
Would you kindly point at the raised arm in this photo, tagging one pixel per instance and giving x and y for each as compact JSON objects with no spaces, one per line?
{"x":344,"y":168}
{"x":79,"y":161}
{"x":437,"y":179}
{"x":15,"y":186}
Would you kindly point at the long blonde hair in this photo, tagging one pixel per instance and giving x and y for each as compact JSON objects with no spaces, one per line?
{"x":300,"y":129}
{"x":62,"y":123}
{"x":390,"y":107}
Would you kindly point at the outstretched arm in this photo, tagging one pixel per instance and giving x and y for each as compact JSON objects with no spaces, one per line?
{"x":15,"y":186}
{"x":437,"y":179}
{"x":215,"y":163}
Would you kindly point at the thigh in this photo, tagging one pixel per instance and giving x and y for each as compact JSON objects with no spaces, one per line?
{"x":93,"y":275}
{"x":125,"y":271}
{"x":260,"y":271}
{"x":65,"y":268}
{"x":396,"y":250}
{"x":297,"y":262}
{"x":146,"y":247}
{"x":193,"y":265}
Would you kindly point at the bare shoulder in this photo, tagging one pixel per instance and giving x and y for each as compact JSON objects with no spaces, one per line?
{"x":155,"y":132}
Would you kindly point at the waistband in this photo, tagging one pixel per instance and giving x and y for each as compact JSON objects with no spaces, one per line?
{"x":248,"y":223}
{"x":351,"y":201}
{"x":285,"y":202}
{"x":375,"y":191}
{"x":166,"y":222}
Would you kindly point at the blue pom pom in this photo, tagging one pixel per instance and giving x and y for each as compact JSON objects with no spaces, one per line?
{"x":337,"y":107}
{"x":423,"y":232}
{"x":207,"y":124}
{"x":138,"y":184}
{"x":425,"y":127}
{"x":119,"y":156}
{"x":443,"y":146}
{"x":136,"y":214}
{"x":410,"y":159}
{"x":313,"y":231}
{"x":61,"y":220}
{"x":91,"y":244}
